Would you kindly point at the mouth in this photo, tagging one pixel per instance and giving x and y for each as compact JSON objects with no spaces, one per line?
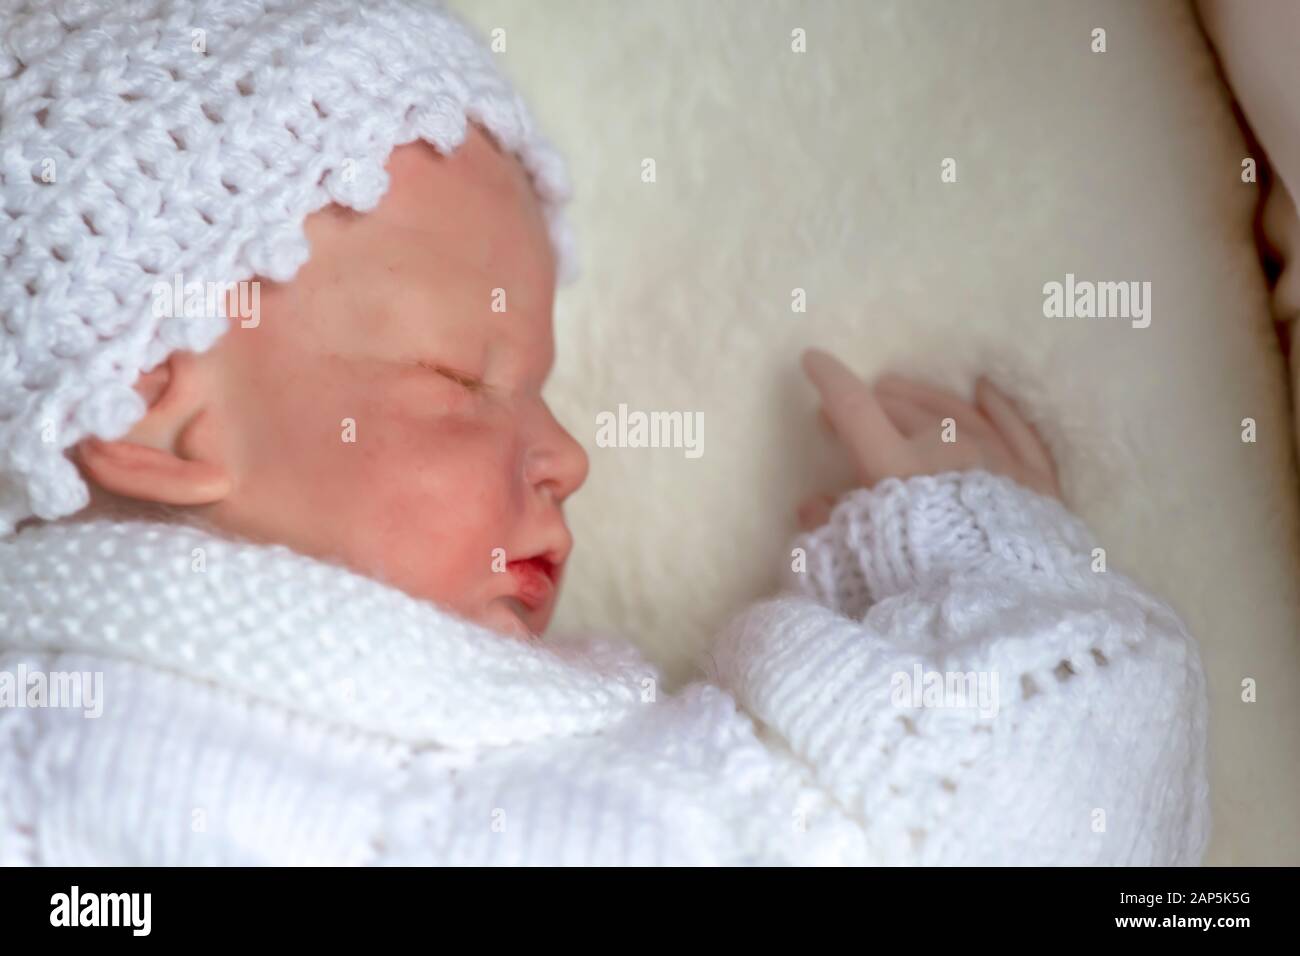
{"x":536,"y":580}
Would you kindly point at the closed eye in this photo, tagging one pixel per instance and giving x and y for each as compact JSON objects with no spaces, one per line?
{"x":460,"y":378}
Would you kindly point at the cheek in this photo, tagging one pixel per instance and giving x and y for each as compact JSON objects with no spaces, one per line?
{"x":415,"y":498}
{"x":438,"y":496}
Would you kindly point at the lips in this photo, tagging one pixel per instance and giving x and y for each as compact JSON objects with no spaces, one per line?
{"x":534,"y":581}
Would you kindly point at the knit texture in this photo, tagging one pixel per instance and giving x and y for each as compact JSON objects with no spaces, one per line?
{"x":895,"y":537}
{"x":145,"y":140}
{"x":264,"y":707}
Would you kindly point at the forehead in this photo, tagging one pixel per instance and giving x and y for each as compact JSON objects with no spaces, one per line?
{"x":454,"y":239}
{"x":476,"y":205}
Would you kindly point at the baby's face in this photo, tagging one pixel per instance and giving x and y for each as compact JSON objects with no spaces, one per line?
{"x":383,"y":415}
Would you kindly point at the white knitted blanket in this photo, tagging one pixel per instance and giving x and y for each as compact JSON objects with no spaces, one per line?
{"x":258,"y":706}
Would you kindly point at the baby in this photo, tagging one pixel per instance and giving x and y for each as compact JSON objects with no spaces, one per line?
{"x":311,"y":549}
{"x":1256,"y":44}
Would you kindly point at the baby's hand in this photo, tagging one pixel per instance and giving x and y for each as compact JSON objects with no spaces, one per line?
{"x":898,"y":428}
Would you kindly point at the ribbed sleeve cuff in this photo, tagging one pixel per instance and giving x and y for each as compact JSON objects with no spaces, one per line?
{"x":903,"y":533}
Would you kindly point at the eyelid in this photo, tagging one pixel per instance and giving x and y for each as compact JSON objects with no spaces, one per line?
{"x":471,"y":382}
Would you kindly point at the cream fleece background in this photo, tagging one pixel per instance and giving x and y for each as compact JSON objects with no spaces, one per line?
{"x":820,"y":170}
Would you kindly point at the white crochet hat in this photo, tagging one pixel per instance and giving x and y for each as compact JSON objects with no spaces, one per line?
{"x":146,"y":139}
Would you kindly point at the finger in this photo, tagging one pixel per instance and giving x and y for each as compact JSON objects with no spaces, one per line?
{"x":908,"y":417}
{"x":939,"y":401}
{"x":855,"y":414}
{"x":815,"y":512}
{"x":1018,"y":433}
{"x":826,"y":422}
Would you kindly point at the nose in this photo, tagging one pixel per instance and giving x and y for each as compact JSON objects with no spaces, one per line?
{"x":556,"y":462}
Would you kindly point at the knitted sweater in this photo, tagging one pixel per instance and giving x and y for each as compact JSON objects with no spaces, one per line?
{"x":261,"y":707}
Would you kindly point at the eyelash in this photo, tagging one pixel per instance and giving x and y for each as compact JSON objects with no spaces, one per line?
{"x":467,"y":382}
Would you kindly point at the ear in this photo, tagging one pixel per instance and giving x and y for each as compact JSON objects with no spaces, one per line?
{"x":157,"y":461}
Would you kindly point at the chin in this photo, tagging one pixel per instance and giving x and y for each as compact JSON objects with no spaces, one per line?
{"x":501,"y":616}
